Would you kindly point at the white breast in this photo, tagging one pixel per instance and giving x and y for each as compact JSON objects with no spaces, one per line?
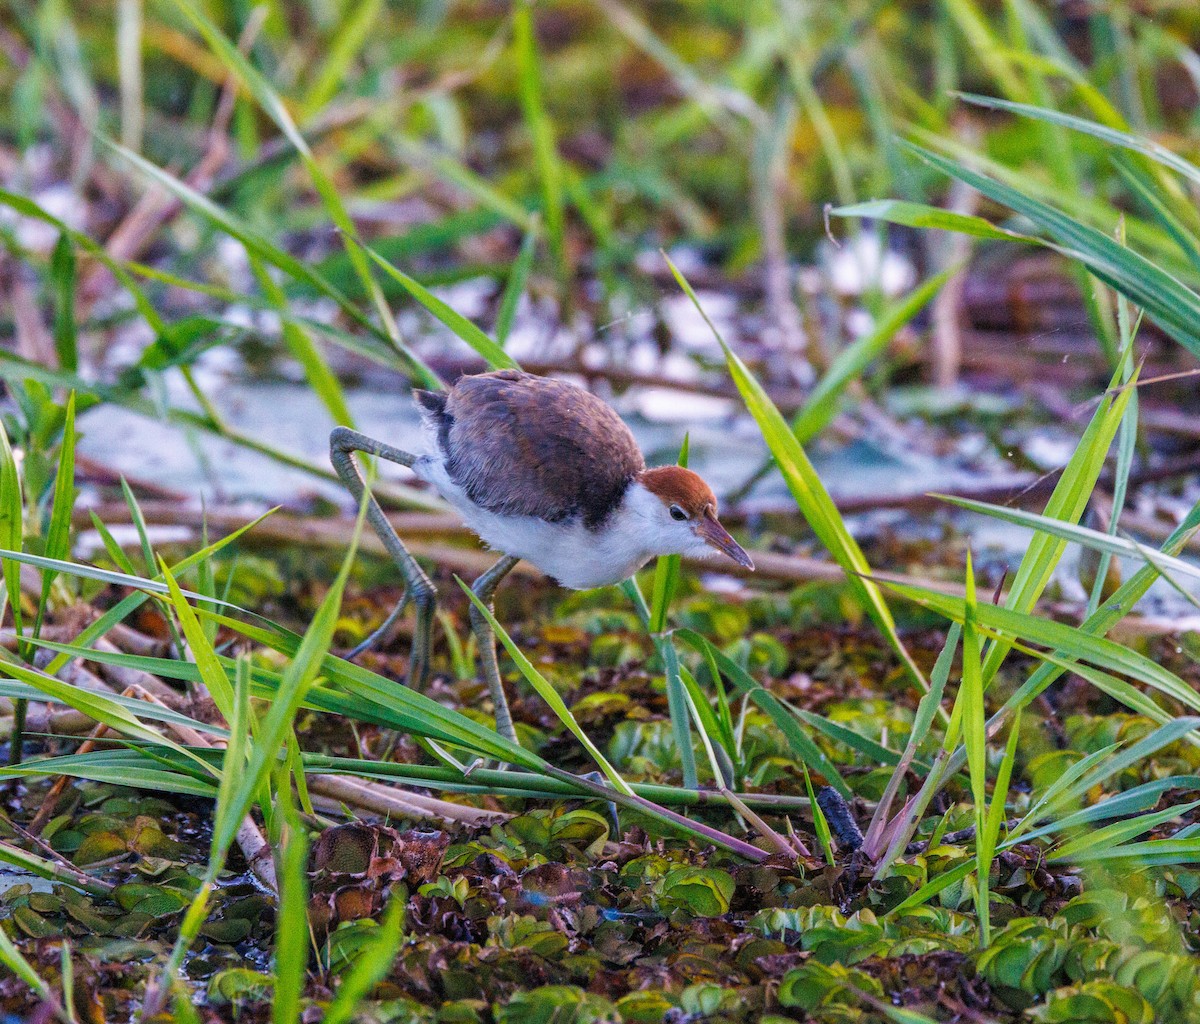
{"x":573,"y":555}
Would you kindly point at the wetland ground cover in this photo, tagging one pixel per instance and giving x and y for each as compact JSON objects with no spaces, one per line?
{"x":916,"y":286}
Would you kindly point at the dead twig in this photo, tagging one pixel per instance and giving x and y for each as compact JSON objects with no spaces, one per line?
{"x":393,"y":802}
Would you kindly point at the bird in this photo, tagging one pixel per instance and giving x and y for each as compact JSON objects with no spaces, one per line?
{"x":542,"y":470}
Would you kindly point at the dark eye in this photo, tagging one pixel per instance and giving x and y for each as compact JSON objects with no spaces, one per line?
{"x":678,"y":514}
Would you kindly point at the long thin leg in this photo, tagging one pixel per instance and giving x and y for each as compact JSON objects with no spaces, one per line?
{"x":484,"y":588}
{"x":418,"y":588}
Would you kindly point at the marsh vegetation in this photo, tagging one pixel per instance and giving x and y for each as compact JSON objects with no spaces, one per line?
{"x":917,"y":286}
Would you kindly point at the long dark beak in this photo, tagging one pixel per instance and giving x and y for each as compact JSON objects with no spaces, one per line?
{"x":714,"y":534}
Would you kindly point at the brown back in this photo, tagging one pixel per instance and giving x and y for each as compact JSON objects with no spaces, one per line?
{"x":525,"y":445}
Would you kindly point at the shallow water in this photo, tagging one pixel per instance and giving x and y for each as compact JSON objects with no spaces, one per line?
{"x":725,"y":448}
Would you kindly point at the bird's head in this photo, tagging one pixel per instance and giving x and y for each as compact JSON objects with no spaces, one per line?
{"x":685,"y":516}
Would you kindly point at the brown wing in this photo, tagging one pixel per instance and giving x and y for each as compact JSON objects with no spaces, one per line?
{"x":525,"y":445}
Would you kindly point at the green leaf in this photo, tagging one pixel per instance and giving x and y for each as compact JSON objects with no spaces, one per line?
{"x":547,"y":692}
{"x":514,"y":287}
{"x":370,"y":967}
{"x":919,"y":215}
{"x":821,"y":406}
{"x":1167,"y":301}
{"x":62,"y":283}
{"x":545,"y":152}
{"x":706,"y":892}
{"x":813,"y":499}
{"x":21,"y":968}
{"x":495,"y":357}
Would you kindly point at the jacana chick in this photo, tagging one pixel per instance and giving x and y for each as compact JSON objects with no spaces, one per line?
{"x":541,"y":470}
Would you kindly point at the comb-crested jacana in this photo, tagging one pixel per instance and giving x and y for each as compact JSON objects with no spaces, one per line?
{"x":541,"y":470}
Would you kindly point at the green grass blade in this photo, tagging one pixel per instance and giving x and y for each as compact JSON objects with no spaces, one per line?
{"x":1084,"y":535}
{"x":1131,"y":755}
{"x":919,"y":215}
{"x":370,"y":968}
{"x":1183,"y":236}
{"x":127,"y":605}
{"x":62,"y":285}
{"x":1131,"y":802}
{"x":1151,"y":853}
{"x":1114,"y":137}
{"x":1095,"y":841}
{"x":373,"y":696}
{"x":771,"y":705}
{"x":273,"y":105}
{"x":492,"y":354}
{"x":677,"y":706}
{"x":300,"y":673}
{"x":547,"y":693}
{"x":320,"y":377}
{"x":933,"y":887}
{"x":226,"y":816}
{"x":1067,"y":503}
{"x":115,"y":552}
{"x":139,"y":523}
{"x":874,"y":752}
{"x":545,"y":152}
{"x":208,"y":665}
{"x":975,"y":740}
{"x":347,"y":42}
{"x":1171,"y":304}
{"x":821,"y":406}
{"x":47,"y":869}
{"x":258,"y":244}
{"x":820,"y":824}
{"x":813,"y":499}
{"x":120,"y":579}
{"x":140,"y":708}
{"x":12,"y":526}
{"x":922,"y":722}
{"x":58,"y":532}
{"x":96,"y":706}
{"x":1073,"y":642}
{"x":666,"y":572}
{"x":291,"y":925}
{"x":514,"y":287}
